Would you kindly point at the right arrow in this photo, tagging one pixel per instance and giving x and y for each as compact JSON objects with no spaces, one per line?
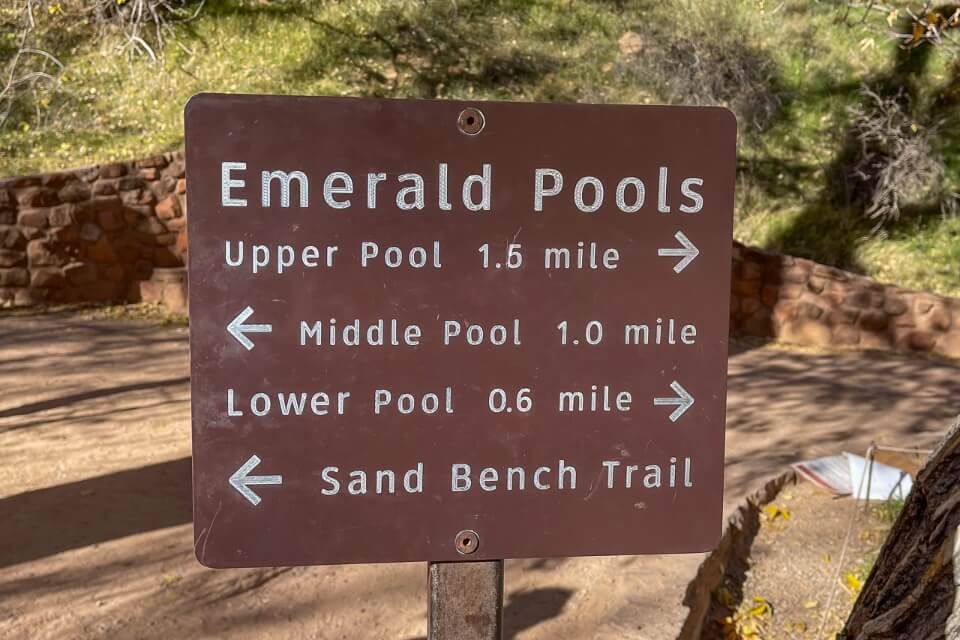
{"x":237,"y":329}
{"x":688,"y":252}
{"x":683,"y":401}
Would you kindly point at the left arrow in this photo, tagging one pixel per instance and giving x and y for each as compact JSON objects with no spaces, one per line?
{"x":241,"y":481}
{"x":238,"y":330}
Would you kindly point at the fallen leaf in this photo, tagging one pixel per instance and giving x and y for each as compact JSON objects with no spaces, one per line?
{"x":852,"y":581}
{"x":773,"y":512}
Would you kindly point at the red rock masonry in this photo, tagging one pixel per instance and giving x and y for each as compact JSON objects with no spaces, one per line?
{"x":98,"y":233}
{"x":802,"y":302}
{"x":90,"y":234}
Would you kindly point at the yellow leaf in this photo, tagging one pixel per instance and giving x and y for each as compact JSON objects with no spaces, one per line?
{"x":773,"y":512}
{"x":761,"y":608}
{"x":811,"y":604}
{"x":892,"y":17}
{"x":852,"y":581}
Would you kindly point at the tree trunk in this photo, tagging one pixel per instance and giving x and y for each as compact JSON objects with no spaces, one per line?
{"x":912,"y":591}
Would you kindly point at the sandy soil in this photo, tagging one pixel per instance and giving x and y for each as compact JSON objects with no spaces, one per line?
{"x":800,"y":576}
{"x":95,"y":535}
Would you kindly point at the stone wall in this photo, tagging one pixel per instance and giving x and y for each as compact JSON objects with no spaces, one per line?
{"x":117,"y":231}
{"x":90,"y":234}
{"x":802,"y":302}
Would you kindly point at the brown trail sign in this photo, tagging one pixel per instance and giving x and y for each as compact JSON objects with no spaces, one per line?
{"x":444,"y":330}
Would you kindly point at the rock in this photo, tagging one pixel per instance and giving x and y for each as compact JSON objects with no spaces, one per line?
{"x":153,"y":162}
{"x":37,"y":197}
{"x":809,"y":310}
{"x":163,"y":257}
{"x":150,"y":173}
{"x":858,"y":298}
{"x":12,"y":258}
{"x":16,"y":277}
{"x":759,"y":324}
{"x":175,"y":298}
{"x":62,"y":215}
{"x":11,"y":238}
{"x":75,"y":191}
{"x":137,"y":197}
{"x":938,"y":318}
{"x":948,"y":344}
{"x":102,"y":251}
{"x":769,"y":295}
{"x":747,"y":288}
{"x":876,"y":341}
{"x":181,"y":245}
{"x":921,"y":340}
{"x":830,"y":273}
{"x":105,"y":188}
{"x":840,"y":317}
{"x":79,"y":273}
{"x":796,"y":273}
{"x":151,"y":226}
{"x":142,"y":269}
{"x":36,"y":218}
{"x":175,"y":225}
{"x":65,"y":235}
{"x":90,"y":232}
{"x":168,"y":208}
{"x":805,"y":331}
{"x":114,"y":170}
{"x":894,"y":306}
{"x":872,"y":320}
{"x":151,"y":292}
{"x":751,"y":270}
{"x":40,"y":253}
{"x":175,"y":169}
{"x":116,"y":273}
{"x":750,"y":306}
{"x":181,"y":187}
{"x":55,"y":180}
{"x":47,"y":277}
{"x":131,"y":183}
{"x":110,"y":219}
{"x":631,"y":43}
{"x":102,"y":291}
{"x":30,"y":297}
{"x":846,"y":335}
{"x":816,"y":284}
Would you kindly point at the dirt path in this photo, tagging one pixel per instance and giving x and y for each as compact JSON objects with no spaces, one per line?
{"x":95,"y":536}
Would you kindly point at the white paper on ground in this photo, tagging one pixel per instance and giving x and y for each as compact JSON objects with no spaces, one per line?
{"x":842,"y":475}
{"x":831,"y":473}
{"x":885,"y":482}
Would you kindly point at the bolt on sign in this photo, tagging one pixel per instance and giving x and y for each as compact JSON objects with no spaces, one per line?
{"x":438,"y":330}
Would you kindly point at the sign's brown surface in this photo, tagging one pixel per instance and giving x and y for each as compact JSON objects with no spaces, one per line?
{"x":411,"y":319}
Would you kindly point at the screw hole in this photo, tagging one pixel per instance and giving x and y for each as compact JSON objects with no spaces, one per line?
{"x":470,"y":121}
{"x":466,"y":542}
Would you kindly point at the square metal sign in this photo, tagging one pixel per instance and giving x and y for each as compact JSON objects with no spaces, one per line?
{"x":440,"y":330}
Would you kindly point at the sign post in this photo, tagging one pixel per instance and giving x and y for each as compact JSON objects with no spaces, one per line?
{"x":465,"y":600}
{"x":475,"y":330}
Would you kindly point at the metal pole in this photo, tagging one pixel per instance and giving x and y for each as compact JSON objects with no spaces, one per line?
{"x":466,"y":600}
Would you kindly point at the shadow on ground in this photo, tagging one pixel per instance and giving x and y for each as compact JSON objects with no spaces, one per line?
{"x":41,"y":523}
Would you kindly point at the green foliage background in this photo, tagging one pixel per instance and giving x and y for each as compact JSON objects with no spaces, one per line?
{"x":792,"y":70}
